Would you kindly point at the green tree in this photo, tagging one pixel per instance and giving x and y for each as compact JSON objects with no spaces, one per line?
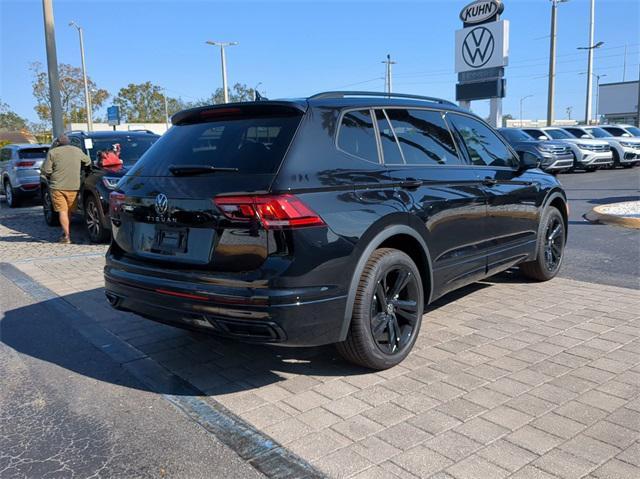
{"x":9,"y":119}
{"x":71,"y":93}
{"x":238,"y":93}
{"x":144,"y":102}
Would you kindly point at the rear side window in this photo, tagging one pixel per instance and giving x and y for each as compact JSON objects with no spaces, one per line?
{"x":423,"y":136}
{"x":390,"y":149}
{"x":484,"y":147}
{"x":32,"y":153}
{"x":357,"y":135}
{"x":254,"y":145}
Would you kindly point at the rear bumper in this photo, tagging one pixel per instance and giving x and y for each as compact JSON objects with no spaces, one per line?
{"x":300,"y":317}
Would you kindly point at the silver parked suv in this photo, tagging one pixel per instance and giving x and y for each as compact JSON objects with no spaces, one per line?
{"x":590,"y":154}
{"x":20,"y":171}
{"x":626,"y":150}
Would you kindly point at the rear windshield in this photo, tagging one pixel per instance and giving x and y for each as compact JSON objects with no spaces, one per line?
{"x":32,"y":153}
{"x":131,"y":147}
{"x":254,"y":145}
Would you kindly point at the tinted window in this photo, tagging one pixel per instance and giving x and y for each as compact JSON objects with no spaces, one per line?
{"x":482,"y":144}
{"x":390,"y":149}
{"x":558,"y":134}
{"x":615,"y":131}
{"x":424,"y":137}
{"x":515,"y":135}
{"x":633,"y":130}
{"x":535,"y":133}
{"x":357,"y":135}
{"x":254,"y":145}
{"x":5,"y":154}
{"x":32,"y":153}
{"x":577,"y":132}
{"x":131,"y":147}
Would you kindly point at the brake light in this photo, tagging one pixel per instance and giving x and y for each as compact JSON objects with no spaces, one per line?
{"x":25,"y":164}
{"x":273,"y":211}
{"x":115,"y":202}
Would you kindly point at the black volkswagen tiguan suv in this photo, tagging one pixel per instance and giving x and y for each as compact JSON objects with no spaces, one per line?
{"x":331,"y":219}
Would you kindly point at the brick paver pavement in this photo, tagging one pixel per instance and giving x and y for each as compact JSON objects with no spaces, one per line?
{"x":507,"y":379}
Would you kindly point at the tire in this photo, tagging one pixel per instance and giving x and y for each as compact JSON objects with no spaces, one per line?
{"x":628,"y":166}
{"x":616,"y":160}
{"x":13,"y":201}
{"x":386,"y":268}
{"x":546,"y":267}
{"x":50,"y":216}
{"x":93,"y":220}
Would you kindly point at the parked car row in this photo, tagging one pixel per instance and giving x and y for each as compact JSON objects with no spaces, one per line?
{"x":589,"y":147}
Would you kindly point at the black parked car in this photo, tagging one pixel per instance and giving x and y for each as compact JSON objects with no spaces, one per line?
{"x":100,"y":180}
{"x":554,"y":156}
{"x":332,"y":219}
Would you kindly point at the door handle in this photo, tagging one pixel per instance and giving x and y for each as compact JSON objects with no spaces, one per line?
{"x":488,"y":181}
{"x":411,"y":184}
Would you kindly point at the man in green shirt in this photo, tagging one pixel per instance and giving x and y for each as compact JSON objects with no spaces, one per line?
{"x":62,"y":167}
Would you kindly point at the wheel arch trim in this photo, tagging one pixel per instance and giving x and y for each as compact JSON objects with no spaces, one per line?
{"x":378,"y":239}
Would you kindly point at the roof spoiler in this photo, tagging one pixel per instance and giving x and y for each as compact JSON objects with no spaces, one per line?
{"x":230,"y":110}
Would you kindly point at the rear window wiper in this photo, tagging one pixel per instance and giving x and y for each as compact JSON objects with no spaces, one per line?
{"x":187,"y":170}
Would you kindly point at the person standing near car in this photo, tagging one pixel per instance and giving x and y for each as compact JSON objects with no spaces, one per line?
{"x":62,"y":168}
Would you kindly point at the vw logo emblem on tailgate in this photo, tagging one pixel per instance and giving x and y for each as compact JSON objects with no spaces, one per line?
{"x":162,"y":204}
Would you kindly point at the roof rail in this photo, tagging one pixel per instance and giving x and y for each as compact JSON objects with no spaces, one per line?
{"x":343,"y":94}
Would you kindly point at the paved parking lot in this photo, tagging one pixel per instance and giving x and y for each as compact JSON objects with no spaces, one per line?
{"x":507,"y":379}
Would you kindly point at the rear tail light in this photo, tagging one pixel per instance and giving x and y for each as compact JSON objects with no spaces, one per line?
{"x":25,"y":164}
{"x":273,"y":211}
{"x":115,"y":202}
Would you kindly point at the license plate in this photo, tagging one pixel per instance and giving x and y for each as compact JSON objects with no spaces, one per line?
{"x":170,"y":240}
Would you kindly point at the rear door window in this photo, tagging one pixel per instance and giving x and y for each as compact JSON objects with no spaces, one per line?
{"x":484,"y":147}
{"x":254,"y":145}
{"x":423,"y":136}
{"x":391,"y":152}
{"x":357,"y":135}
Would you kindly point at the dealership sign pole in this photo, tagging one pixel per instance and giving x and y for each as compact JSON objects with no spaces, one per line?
{"x":482,"y":52}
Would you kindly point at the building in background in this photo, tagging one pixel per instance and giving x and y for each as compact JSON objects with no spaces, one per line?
{"x":513,"y":123}
{"x":618,"y":102}
{"x":157,"y":128}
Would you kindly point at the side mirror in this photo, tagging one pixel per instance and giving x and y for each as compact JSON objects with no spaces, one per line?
{"x":626,"y":135}
{"x":585,"y":136}
{"x":542,"y":138}
{"x":528,"y":161}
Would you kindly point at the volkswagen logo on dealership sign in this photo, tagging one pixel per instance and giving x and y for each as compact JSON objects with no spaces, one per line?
{"x":477,"y":47}
{"x":162,"y":204}
{"x":481,"y":11}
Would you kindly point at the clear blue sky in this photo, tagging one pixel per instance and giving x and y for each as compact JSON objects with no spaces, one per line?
{"x":297,"y":48}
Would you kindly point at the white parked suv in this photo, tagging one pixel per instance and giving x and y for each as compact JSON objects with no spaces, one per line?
{"x":626,"y":150}
{"x":20,"y":171}
{"x":590,"y":154}
{"x":622,"y":130}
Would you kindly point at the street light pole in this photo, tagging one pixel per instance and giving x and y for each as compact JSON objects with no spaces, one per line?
{"x":87,"y":95}
{"x":522,"y":100}
{"x":223,"y":59}
{"x":52,"y":67}
{"x":552,"y":61}
{"x":590,"y":48}
{"x":166,"y":107}
{"x":598,"y":96}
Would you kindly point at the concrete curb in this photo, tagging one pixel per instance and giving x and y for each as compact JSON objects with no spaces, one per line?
{"x":598,"y":214}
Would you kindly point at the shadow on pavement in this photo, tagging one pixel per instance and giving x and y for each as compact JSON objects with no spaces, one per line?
{"x":28,"y":226}
{"x":47,"y":331}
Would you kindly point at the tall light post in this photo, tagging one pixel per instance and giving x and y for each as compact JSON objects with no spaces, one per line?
{"x":57,"y":125}
{"x":597,"y":92}
{"x":87,"y":95}
{"x":166,"y":108}
{"x":552,"y":61}
{"x":590,"y":49}
{"x":223,"y":59}
{"x":255,"y":91}
{"x":521,"y":101}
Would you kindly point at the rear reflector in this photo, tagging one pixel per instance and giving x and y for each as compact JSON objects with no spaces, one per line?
{"x":181,"y":295}
{"x":273,"y":211}
{"x":30,"y":186}
{"x":25,"y":164}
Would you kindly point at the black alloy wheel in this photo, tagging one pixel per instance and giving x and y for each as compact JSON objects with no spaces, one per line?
{"x":50,"y":216}
{"x":387,"y":311}
{"x":93,"y":221}
{"x":550,"y":249}
{"x":394,"y":312}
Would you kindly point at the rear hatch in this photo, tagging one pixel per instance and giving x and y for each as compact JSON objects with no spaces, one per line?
{"x":30,"y":161}
{"x":167,"y":208}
